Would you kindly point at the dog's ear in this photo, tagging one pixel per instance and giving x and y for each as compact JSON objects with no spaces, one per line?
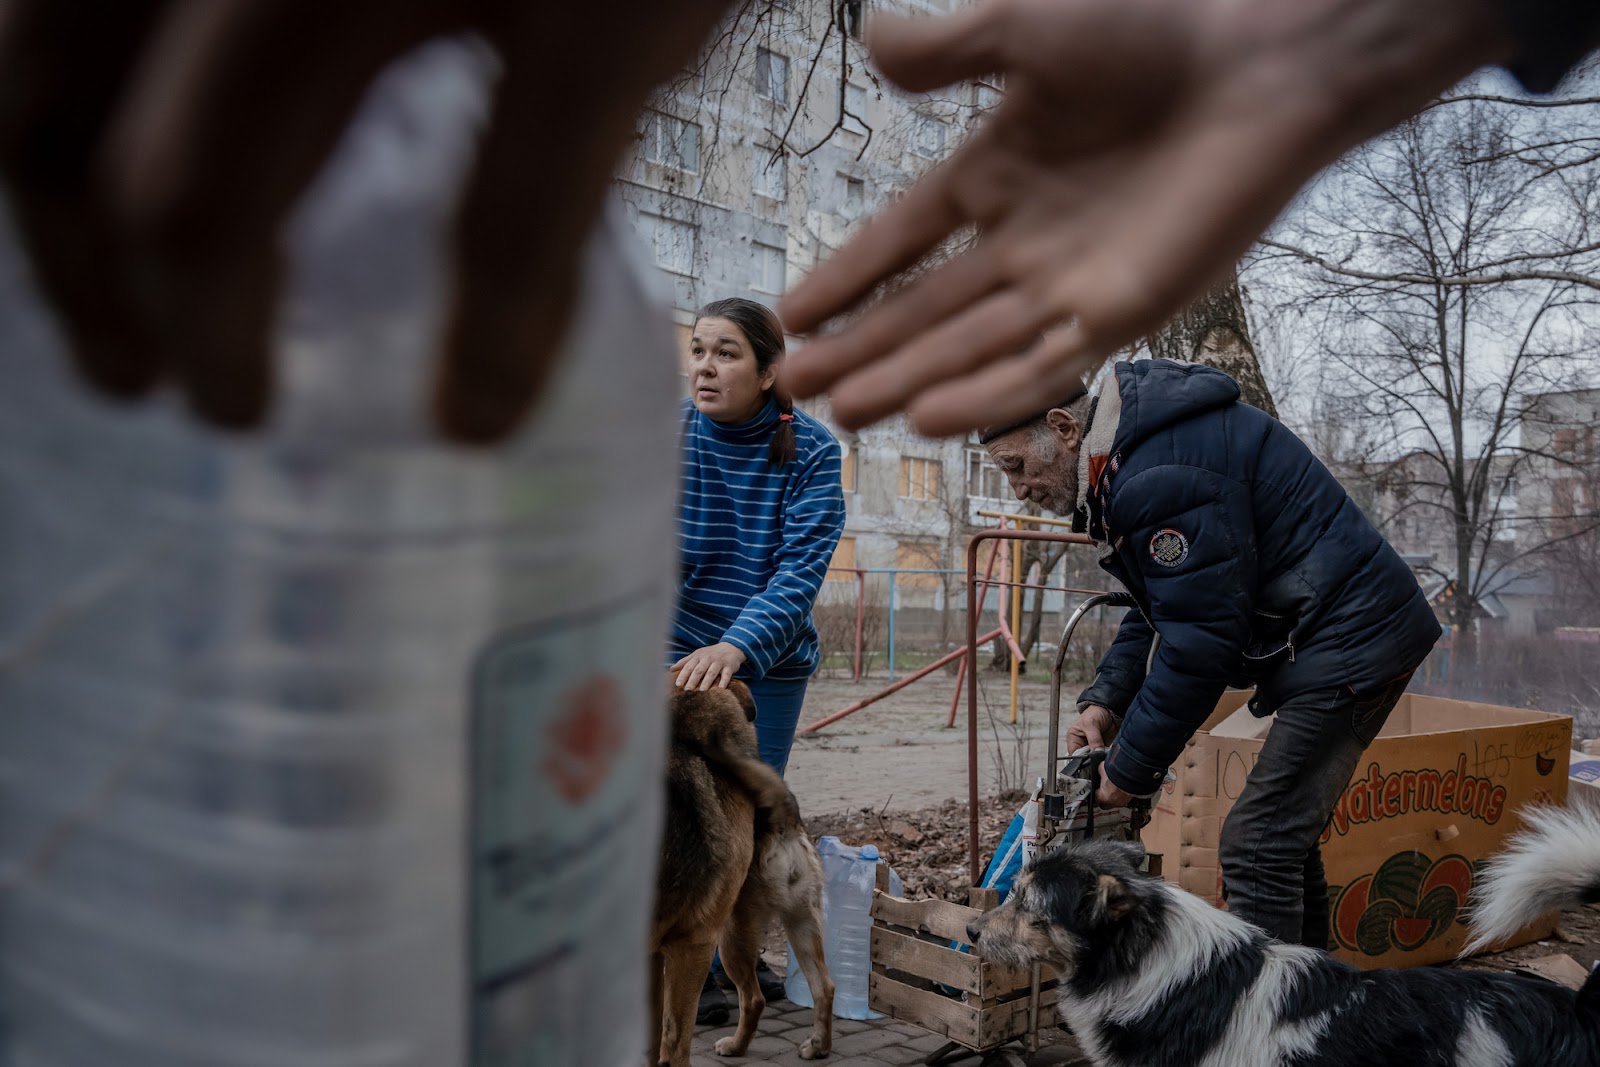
{"x":1113,"y":899}
{"x":741,"y":693}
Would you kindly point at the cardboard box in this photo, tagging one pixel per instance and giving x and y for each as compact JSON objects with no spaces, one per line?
{"x":1431,"y":799}
{"x":1583,"y":780}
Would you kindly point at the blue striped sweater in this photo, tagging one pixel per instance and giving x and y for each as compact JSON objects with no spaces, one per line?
{"x":755,"y":540}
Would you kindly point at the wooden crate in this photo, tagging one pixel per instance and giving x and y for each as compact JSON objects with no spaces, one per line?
{"x":912,"y":957}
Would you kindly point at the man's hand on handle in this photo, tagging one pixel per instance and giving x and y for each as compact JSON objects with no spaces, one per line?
{"x":1095,"y":727}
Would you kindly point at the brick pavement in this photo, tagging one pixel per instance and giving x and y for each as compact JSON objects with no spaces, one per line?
{"x":879,"y":1043}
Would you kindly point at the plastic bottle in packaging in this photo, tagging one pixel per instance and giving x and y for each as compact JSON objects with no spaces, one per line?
{"x":333,"y":745}
{"x":850,"y":877}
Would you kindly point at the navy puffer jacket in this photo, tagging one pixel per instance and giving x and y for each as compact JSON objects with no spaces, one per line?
{"x":1245,"y":555}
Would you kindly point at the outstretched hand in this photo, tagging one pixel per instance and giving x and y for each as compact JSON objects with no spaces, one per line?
{"x":1139,"y":149}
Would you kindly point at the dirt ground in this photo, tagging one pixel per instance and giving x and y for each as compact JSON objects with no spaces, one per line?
{"x":893,"y":775}
{"x":899,"y":754}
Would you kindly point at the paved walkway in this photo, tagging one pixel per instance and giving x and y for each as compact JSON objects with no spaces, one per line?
{"x":881,"y":1043}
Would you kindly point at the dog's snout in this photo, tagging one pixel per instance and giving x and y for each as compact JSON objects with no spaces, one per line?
{"x":973,"y":932}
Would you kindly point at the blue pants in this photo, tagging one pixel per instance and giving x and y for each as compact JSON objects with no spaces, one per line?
{"x":777,"y":714}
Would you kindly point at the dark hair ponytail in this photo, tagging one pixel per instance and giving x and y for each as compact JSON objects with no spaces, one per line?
{"x":762,"y":329}
{"x":782,"y":448}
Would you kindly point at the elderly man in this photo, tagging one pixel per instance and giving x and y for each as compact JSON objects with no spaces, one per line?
{"x":1251,"y":566}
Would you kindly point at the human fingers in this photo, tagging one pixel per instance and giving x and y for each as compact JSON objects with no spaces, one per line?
{"x":994,"y":327}
{"x":1006,"y":390}
{"x":240,"y":107}
{"x":60,"y":85}
{"x":708,"y":675}
{"x":689,"y":675}
{"x":1089,"y":729}
{"x":921,"y":54}
{"x":725,"y":677}
{"x":516,"y":268}
{"x":889,"y":325}
{"x":539,"y":182}
{"x":889,"y":243}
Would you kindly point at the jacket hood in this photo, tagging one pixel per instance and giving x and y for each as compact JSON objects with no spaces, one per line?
{"x":1156,"y":393}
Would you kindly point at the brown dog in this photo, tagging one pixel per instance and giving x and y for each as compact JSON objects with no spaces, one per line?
{"x":734,"y":855}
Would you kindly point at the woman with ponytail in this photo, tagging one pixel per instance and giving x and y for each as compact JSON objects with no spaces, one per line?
{"x":759,"y":514}
{"x":760,"y":511}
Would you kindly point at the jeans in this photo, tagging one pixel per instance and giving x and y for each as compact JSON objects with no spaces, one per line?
{"x":777,"y":714}
{"x":1272,"y":872}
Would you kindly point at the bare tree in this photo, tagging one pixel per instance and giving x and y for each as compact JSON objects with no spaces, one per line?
{"x":1215,"y":331}
{"x":1444,"y":276}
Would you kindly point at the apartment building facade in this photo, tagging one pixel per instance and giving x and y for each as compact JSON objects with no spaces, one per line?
{"x":762,"y":160}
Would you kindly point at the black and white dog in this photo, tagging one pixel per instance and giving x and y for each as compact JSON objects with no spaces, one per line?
{"x":1152,"y":976}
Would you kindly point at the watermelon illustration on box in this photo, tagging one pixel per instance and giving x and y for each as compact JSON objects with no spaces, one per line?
{"x":1432,"y":799}
{"x":1404,"y":904}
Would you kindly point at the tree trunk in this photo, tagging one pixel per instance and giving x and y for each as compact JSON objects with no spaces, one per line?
{"x":1214,"y":331}
{"x":1046,"y":558}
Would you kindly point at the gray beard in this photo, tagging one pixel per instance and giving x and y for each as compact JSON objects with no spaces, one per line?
{"x":1063,"y":502}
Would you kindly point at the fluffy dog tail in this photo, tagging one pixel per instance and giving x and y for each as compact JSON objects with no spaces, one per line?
{"x":1553,"y":863}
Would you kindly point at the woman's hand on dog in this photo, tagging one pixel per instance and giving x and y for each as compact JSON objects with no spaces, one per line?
{"x":714,"y":665}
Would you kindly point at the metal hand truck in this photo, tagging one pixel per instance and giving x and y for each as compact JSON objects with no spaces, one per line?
{"x":997,"y":1015}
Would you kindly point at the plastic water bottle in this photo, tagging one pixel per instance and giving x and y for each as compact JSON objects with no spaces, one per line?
{"x":325,"y":746}
{"x":850,"y":877}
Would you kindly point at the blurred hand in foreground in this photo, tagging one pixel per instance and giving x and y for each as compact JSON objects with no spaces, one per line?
{"x":1140,"y":147}
{"x":152,"y":149}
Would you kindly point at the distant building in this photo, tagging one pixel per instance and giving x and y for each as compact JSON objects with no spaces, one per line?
{"x":1562,"y":475}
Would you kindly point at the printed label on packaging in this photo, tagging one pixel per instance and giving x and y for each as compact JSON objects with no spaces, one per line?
{"x":568,"y":732}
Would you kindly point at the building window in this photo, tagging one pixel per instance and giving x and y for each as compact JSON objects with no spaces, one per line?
{"x":855,"y":108}
{"x":986,"y":97}
{"x":917,"y":555}
{"x":852,"y":18}
{"x":919,"y":478}
{"x":844,"y":558}
{"x":769,"y":173}
{"x":848,"y":464}
{"x":671,"y":142}
{"x":855,"y":196}
{"x":771,"y":267}
{"x":672,"y":241}
{"x":928,"y":137}
{"x":772,"y":76}
{"x":1566,"y":442}
{"x":1564,"y":507}
{"x":984,"y":480}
